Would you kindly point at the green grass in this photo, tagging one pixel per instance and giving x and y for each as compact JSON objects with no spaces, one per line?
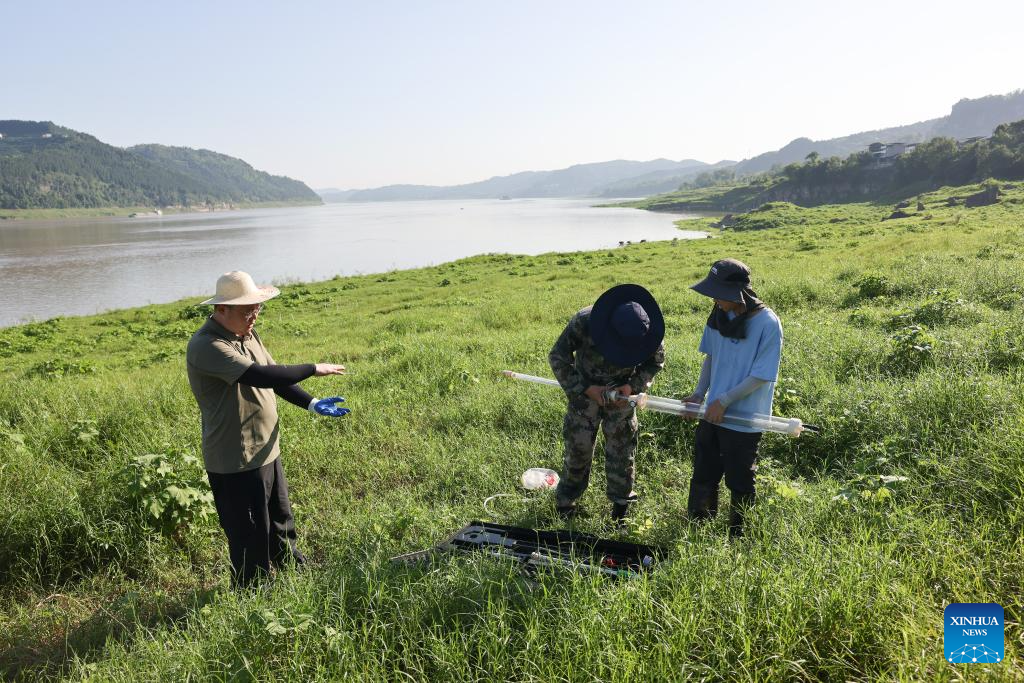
{"x":753,"y":197}
{"x":733,"y":197}
{"x":844,"y":576}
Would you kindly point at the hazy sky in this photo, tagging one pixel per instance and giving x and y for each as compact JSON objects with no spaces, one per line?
{"x":342,"y":94}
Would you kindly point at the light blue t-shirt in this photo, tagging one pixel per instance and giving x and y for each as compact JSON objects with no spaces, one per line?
{"x":733,"y":360}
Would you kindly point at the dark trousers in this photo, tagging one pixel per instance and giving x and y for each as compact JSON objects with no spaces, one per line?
{"x":255,"y":514}
{"x":720,"y":451}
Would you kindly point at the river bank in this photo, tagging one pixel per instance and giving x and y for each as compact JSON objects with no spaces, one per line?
{"x":143,"y":211}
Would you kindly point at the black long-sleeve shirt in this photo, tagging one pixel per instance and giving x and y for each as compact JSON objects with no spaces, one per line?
{"x":283,"y":379}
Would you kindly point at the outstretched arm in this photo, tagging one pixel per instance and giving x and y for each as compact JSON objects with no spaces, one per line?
{"x":276,"y":376}
{"x":280,"y":376}
{"x":295,"y":395}
{"x":284,"y":379}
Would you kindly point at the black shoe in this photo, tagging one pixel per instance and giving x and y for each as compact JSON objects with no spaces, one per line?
{"x":291,"y":559}
{"x":619,"y":513}
{"x":738,"y":507}
{"x":702,"y":503}
{"x":735,"y":525}
{"x":298,"y":561}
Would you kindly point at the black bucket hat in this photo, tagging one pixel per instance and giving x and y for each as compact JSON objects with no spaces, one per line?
{"x":626,"y":325}
{"x":726,"y":280}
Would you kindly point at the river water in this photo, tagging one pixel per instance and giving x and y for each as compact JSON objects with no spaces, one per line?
{"x":79,"y":267}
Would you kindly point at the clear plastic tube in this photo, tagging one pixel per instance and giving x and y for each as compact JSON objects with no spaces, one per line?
{"x":769,"y":423}
{"x":765,"y":423}
{"x":790,"y":426}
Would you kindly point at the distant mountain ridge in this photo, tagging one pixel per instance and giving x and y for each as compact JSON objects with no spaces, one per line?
{"x":658,"y":181}
{"x":580,"y":180}
{"x":968,"y":118}
{"x":43,"y":165}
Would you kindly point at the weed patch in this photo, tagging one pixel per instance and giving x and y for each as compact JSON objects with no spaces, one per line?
{"x":53,"y":368}
{"x":170,"y":489}
{"x":912,"y":348}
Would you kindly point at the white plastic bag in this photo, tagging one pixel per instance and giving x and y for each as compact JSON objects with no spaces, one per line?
{"x":537,"y":478}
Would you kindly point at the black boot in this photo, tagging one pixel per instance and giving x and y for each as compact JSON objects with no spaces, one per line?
{"x":288,"y":556}
{"x":702,"y":502}
{"x":298,"y":560}
{"x":566,"y":512}
{"x":619,"y":513}
{"x":738,"y":506}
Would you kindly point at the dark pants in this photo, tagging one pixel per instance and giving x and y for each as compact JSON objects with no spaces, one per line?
{"x":255,"y":514}
{"x":719,"y":451}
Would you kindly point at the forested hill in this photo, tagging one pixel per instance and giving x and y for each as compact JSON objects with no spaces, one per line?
{"x":968,"y":118}
{"x":860,"y":177}
{"x":43,"y":165}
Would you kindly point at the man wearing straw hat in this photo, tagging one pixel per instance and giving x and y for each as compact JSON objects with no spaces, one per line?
{"x":616,"y":344}
{"x":742,"y":347}
{"x":235,"y":381}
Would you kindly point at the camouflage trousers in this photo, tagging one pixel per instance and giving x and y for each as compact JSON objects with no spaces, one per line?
{"x":579,"y":429}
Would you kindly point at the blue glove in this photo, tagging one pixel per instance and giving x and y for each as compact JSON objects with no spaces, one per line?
{"x":325,"y":406}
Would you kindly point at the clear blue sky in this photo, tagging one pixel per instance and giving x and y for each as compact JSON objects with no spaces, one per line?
{"x":348,"y":95}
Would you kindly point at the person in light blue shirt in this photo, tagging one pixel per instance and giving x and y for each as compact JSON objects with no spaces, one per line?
{"x":742,"y":347}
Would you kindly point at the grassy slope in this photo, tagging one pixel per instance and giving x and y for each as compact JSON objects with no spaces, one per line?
{"x":826,"y":589}
{"x":744,"y":197}
{"x":715,"y":198}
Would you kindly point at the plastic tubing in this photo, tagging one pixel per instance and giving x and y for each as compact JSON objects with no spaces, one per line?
{"x":791,"y":426}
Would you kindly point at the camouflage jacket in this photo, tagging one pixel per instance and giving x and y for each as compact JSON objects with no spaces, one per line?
{"x":577,"y":364}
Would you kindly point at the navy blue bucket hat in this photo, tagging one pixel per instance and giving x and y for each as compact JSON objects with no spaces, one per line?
{"x":726,"y":280}
{"x":626,"y":325}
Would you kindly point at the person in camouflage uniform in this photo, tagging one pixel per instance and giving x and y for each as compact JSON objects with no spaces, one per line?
{"x":616,"y":344}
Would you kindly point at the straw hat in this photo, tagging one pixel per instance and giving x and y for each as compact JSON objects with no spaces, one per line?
{"x":237,"y":288}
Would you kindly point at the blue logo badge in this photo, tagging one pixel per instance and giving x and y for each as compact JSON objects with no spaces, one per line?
{"x":973,"y":633}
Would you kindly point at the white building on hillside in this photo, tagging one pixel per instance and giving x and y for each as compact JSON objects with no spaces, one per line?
{"x":886,"y":152}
